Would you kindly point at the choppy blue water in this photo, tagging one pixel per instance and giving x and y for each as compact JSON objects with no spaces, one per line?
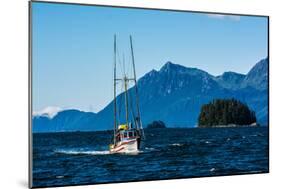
{"x":83,"y":158}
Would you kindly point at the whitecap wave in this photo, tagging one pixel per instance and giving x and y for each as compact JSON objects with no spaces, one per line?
{"x":150,"y":149}
{"x":81,"y":152}
{"x":176,"y":144}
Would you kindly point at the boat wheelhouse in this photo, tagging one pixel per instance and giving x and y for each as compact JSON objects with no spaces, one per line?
{"x":127,"y":141}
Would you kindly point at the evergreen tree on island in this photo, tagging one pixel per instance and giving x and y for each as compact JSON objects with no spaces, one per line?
{"x":225,"y":112}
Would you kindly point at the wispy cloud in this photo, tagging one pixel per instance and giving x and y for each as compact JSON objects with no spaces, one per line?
{"x":223,"y":16}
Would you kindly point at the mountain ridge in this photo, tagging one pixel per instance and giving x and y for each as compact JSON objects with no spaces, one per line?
{"x":177,"y":99}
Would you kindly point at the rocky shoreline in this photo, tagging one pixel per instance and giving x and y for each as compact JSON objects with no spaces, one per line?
{"x":229,"y":125}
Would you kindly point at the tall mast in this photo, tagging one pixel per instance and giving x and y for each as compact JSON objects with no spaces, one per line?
{"x":136,"y":87}
{"x":114,"y":81}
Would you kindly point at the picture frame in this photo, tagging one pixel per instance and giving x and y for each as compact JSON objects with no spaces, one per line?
{"x":222,"y":81}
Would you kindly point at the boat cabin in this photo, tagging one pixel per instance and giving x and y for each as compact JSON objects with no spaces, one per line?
{"x":125,"y":133}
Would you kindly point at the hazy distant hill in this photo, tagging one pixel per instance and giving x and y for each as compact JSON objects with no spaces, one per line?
{"x":68,"y":120}
{"x":174,"y":94}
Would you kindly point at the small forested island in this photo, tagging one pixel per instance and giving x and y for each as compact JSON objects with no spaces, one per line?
{"x":226,"y":113}
{"x":156,"y":125}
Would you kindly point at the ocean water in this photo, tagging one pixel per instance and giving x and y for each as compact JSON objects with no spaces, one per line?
{"x":83,"y":157}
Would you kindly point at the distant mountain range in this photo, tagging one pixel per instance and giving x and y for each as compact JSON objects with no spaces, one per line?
{"x":174,"y":94}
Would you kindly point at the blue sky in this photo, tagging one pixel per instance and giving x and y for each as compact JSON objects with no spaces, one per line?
{"x":73,"y":48}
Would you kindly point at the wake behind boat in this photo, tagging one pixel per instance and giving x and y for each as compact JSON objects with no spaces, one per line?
{"x":128,"y":134}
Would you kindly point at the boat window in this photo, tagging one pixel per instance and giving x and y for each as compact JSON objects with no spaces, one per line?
{"x":130,"y":134}
{"x":125,"y":135}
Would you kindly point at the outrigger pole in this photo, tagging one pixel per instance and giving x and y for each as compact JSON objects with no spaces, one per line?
{"x":139,"y":126}
{"x":135,"y":80}
{"x":114,"y":80}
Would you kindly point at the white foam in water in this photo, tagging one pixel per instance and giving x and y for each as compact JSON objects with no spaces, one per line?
{"x":77,"y":152}
{"x":90,"y":152}
{"x":176,"y":144}
{"x":149,"y":148}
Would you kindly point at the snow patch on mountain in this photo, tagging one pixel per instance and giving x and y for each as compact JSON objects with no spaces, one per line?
{"x":49,"y":112}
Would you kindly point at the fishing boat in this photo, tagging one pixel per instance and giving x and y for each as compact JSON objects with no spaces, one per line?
{"x":127,"y":134}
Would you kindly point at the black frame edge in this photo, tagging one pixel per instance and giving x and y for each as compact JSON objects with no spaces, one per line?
{"x":30,"y":148}
{"x":145,"y":8}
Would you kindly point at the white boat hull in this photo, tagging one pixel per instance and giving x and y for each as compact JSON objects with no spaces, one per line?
{"x":128,"y":146}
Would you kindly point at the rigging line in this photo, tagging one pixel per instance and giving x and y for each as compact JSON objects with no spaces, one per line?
{"x":132,"y":110}
{"x":131,"y":70}
{"x":119,"y":61}
{"x":128,"y":68}
{"x":112,"y":79}
{"x":124,"y":68}
{"x":120,"y":108}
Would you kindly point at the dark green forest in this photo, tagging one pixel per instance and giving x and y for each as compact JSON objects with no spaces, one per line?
{"x":225,"y":112}
{"x":156,"y":125}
